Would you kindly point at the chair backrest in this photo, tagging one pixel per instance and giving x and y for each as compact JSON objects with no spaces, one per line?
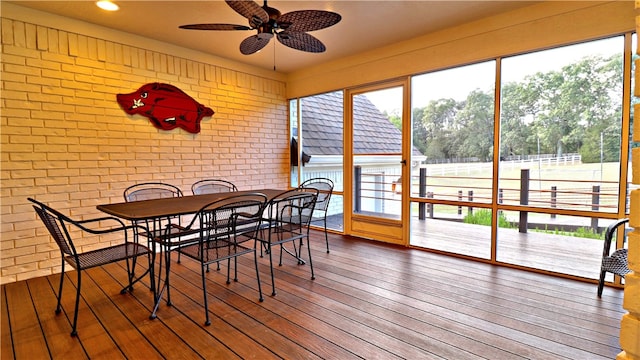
{"x":294,"y":206}
{"x":151,"y":190}
{"x":212,"y":186}
{"x":610,"y":232}
{"x":235,"y":215}
{"x":325,"y":189}
{"x":54,"y":221}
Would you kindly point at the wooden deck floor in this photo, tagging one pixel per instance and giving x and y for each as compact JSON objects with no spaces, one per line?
{"x":369,"y":300}
{"x":562,"y":254}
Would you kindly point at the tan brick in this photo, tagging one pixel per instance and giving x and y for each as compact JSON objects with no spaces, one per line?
{"x":43,"y":64}
{"x":47,"y":98}
{"x":13,"y":77}
{"x":6,"y":28}
{"x":22,"y":87}
{"x":52,"y":40}
{"x":60,"y":58}
{"x":45,"y":181}
{"x":14,"y":60}
{"x":21,"y":51}
{"x":77,"y":69}
{"x":20,"y":104}
{"x":45,"y":82}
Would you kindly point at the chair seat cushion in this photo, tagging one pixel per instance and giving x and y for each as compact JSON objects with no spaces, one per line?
{"x":616,"y":263}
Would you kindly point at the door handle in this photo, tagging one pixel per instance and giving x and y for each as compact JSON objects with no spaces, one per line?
{"x":403,"y":162}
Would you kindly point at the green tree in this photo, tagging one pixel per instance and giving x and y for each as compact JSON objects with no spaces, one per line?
{"x":519,"y":109}
{"x":476,"y":126}
{"x":575,"y":109}
{"x":438,"y":120}
{"x":419,"y":132}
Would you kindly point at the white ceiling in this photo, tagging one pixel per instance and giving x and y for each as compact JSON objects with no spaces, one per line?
{"x":365,"y":25}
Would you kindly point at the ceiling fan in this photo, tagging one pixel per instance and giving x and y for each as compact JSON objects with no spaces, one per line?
{"x":290,"y":28}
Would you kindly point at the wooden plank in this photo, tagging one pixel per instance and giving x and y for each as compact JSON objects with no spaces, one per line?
{"x":445,"y":302}
{"x":324,"y":340}
{"x":159,"y":332}
{"x":6,"y":340}
{"x":242,"y":314}
{"x":124,"y":332}
{"x":317,"y":316}
{"x":398,"y":328}
{"x":28,"y":339}
{"x":55,"y":328}
{"x":93,"y":337}
{"x":556,"y":253}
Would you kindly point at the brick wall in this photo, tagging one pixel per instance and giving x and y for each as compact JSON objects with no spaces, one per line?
{"x":66,"y":142}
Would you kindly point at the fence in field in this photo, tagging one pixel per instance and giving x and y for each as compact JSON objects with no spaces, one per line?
{"x":380,"y":192}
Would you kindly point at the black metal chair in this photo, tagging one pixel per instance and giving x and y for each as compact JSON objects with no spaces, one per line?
{"x":151,"y":190}
{"x":325,"y":188}
{"x":156,"y":227}
{"x":212,"y":186}
{"x":614,"y":262}
{"x":286,"y":219}
{"x":220,"y":228}
{"x":148,"y":191}
{"x":61,"y":227}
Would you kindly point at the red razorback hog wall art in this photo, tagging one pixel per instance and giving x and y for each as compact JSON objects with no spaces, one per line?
{"x":166,"y":106}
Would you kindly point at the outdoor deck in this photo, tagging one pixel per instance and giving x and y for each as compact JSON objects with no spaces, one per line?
{"x":550,"y":252}
{"x":570,"y":255}
{"x":369,"y":300}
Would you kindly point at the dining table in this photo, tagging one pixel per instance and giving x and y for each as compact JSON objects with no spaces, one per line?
{"x":173,"y":206}
{"x":153,"y":210}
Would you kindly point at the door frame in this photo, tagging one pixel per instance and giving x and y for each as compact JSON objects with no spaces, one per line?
{"x":376,"y":228}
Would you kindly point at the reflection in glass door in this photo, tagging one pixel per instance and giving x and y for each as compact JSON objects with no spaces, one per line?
{"x":375,"y":122}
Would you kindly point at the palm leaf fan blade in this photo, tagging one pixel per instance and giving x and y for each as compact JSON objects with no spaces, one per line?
{"x":308,"y":20}
{"x":254,"y":43}
{"x":214,"y":27}
{"x":301,"y":41}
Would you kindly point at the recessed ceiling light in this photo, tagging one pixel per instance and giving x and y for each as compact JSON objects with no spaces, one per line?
{"x":107,"y":5}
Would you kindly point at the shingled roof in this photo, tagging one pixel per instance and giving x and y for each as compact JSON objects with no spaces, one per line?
{"x":322,"y":118}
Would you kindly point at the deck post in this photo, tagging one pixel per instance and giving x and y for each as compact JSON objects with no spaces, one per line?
{"x":357,"y":174}
{"x":554,"y":199}
{"x":422,"y":191}
{"x":524,"y":199}
{"x":595,"y":206}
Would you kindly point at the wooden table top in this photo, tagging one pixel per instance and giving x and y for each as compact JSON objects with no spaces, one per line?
{"x":157,"y":208}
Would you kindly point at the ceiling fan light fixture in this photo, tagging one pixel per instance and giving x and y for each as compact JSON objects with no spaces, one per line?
{"x":107,"y":5}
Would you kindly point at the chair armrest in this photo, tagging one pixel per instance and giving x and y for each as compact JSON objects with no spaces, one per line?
{"x":122,"y":228}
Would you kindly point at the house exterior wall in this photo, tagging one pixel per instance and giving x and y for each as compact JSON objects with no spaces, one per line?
{"x":66,"y":142}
